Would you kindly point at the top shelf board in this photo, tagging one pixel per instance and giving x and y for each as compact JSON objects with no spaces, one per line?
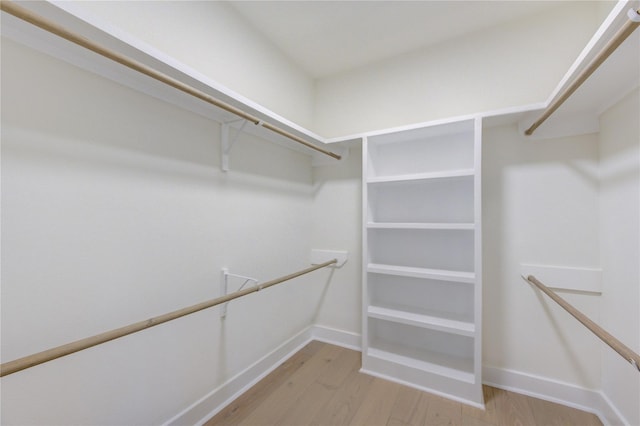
{"x":76,"y":21}
{"x":425,"y":133}
{"x":444,"y":155}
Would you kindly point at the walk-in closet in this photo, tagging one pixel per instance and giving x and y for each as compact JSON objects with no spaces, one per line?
{"x":320,"y":212}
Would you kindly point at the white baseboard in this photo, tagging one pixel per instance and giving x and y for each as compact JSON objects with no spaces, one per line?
{"x":611,"y":415}
{"x":209,"y":405}
{"x":536,"y":386}
{"x":592,"y":401}
{"x":345,"y":339}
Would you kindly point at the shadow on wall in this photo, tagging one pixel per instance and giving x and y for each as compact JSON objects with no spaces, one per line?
{"x":540,"y":205}
{"x":88,"y":121}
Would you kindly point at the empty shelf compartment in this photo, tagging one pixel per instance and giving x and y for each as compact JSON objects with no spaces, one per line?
{"x":424,"y":248}
{"x":428,"y":149}
{"x":422,"y":201}
{"x":438,"y":304}
{"x":434,"y":351}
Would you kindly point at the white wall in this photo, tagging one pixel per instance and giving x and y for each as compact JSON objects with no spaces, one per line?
{"x":337,"y":209}
{"x":212,"y":38}
{"x":514,"y":64}
{"x":620,"y":248}
{"x":114,"y":210}
{"x":540,"y":206}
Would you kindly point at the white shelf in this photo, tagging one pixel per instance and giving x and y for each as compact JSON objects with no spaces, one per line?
{"x":435,"y":274}
{"x":431,"y":320}
{"x":422,"y":248}
{"x":447,"y":174}
{"x":415,"y":225}
{"x":441,"y":364}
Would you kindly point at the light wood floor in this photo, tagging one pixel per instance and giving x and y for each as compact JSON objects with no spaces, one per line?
{"x":321,"y":385}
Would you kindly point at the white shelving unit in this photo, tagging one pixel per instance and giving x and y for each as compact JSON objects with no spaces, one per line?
{"x":422,"y":263}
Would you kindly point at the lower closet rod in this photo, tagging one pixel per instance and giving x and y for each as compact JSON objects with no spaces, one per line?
{"x":626,"y":352}
{"x":26,"y":15}
{"x":60,"y":351}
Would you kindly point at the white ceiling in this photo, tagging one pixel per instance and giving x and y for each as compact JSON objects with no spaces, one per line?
{"x":329,"y":37}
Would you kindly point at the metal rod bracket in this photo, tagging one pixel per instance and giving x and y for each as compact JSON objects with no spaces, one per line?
{"x":224,"y":287}
{"x":226,"y":144}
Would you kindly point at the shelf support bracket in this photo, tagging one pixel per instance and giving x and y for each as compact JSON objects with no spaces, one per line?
{"x":224,"y":286}
{"x":226,"y":143}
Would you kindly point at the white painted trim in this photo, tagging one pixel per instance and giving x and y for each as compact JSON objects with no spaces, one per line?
{"x":367,"y":216}
{"x":477,"y":250}
{"x":566,"y":277}
{"x":342,"y":338}
{"x":611,"y":415}
{"x":213,"y":402}
{"x":210,"y":404}
{"x":319,"y":256}
{"x":592,"y":401}
{"x":491,"y":114}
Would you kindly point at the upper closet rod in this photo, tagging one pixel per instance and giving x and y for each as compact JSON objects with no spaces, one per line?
{"x":28,"y":16}
{"x":607,"y":50}
{"x":627,"y":353}
{"x":79,"y":345}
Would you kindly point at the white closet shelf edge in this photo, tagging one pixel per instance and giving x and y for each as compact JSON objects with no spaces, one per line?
{"x":406,"y":271}
{"x":445,"y":174}
{"x":417,"y":225}
{"x":422,"y":320}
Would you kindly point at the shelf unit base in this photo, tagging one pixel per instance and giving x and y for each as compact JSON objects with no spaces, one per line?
{"x":447,"y":387}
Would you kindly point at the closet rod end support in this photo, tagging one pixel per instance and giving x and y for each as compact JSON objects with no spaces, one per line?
{"x":321,"y":256}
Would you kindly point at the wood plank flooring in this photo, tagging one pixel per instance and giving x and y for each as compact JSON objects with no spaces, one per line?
{"x":321,"y":385}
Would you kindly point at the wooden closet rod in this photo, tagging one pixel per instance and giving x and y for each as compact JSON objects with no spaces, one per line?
{"x":28,"y":16}
{"x":627,"y":29}
{"x":624,"y":351}
{"x":79,"y":345}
